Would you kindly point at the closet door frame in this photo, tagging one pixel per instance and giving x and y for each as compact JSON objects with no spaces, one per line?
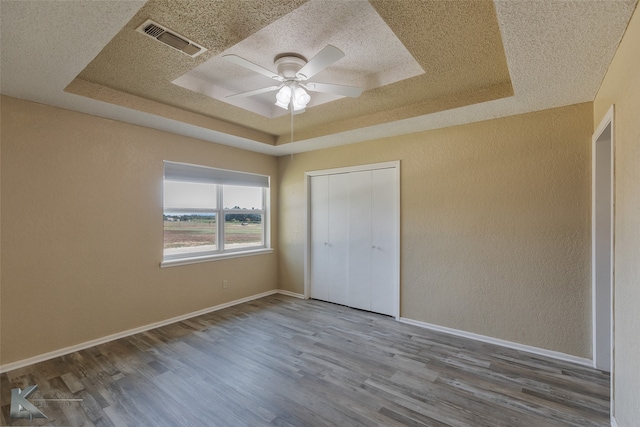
{"x":395,"y":165}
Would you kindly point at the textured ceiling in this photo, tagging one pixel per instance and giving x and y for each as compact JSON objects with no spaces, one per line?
{"x":374,"y":55}
{"x":457,"y":44}
{"x":557,"y":53}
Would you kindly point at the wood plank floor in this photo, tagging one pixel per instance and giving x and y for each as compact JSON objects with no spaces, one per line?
{"x":289,"y":362}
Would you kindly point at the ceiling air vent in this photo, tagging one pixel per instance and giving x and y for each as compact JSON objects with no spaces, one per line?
{"x":170,"y":38}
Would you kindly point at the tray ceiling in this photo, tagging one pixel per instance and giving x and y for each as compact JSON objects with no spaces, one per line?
{"x":412,"y":58}
{"x":481,"y":60}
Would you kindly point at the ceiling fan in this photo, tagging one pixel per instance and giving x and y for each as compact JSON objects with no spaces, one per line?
{"x":293,"y":73}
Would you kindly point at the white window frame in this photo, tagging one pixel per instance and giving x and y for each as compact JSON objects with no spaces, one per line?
{"x":202,"y":174}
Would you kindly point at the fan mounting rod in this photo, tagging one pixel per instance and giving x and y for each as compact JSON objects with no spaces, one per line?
{"x":289,"y":64}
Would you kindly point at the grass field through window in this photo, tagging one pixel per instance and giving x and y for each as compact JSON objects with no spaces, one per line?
{"x":190,"y":234}
{"x":185,"y":234}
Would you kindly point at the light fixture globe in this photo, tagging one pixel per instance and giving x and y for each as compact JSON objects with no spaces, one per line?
{"x":292,"y":94}
{"x":283,"y":97}
{"x":300,"y":98}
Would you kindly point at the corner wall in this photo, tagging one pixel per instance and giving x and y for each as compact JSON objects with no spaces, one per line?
{"x":621,"y":87}
{"x":495,"y":225}
{"x":82,"y":230}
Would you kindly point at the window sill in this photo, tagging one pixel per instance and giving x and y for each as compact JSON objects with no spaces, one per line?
{"x":216,"y":257}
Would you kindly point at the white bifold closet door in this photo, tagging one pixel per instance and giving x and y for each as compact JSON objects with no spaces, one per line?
{"x":353,"y":246}
{"x":372,"y":240}
{"x":329,"y":237}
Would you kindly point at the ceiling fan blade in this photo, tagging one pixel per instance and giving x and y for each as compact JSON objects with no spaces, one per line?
{"x":351,"y":91}
{"x":253,"y":67}
{"x":322,"y":60}
{"x":254,"y":92}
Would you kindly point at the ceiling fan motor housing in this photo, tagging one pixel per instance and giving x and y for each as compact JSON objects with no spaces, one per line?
{"x":289,"y":65}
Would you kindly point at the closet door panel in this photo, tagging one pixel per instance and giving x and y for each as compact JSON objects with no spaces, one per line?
{"x":383,"y":241}
{"x":338,"y":247}
{"x":319,"y":256}
{"x":360,"y":240}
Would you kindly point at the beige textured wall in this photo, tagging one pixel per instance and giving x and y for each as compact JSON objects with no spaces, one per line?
{"x":621,"y":87}
{"x":82,"y":230}
{"x":495,"y":225}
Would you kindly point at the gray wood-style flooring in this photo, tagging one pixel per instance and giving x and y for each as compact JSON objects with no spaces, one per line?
{"x":290,"y":362}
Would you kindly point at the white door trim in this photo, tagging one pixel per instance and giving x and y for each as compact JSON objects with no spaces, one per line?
{"x":603,"y":311}
{"x":307,"y":253}
{"x":357,"y":168}
{"x":602,"y":349}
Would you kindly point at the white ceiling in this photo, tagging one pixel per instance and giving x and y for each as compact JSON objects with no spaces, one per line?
{"x":558,"y":52}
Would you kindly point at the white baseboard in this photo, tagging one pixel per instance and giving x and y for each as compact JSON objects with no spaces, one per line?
{"x":61,"y":352}
{"x":503,"y":343}
{"x":614,"y":423}
{"x":291,"y":294}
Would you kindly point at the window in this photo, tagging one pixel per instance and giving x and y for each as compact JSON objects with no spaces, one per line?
{"x":211,"y":213}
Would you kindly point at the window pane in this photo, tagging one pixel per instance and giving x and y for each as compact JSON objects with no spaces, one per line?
{"x":189,"y":233}
{"x":242,"y":230}
{"x":235,"y":197}
{"x":189,"y":195}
